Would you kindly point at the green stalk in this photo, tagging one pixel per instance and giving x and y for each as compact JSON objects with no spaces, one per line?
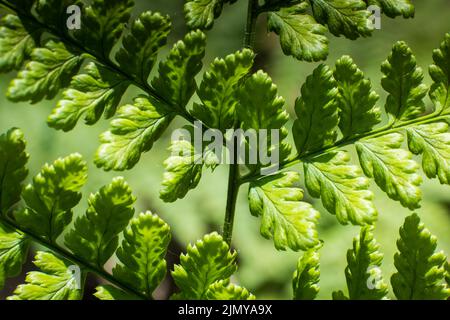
{"x":233,"y":176}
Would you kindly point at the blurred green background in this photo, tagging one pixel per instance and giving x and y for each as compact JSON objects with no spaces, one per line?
{"x":266,"y":272}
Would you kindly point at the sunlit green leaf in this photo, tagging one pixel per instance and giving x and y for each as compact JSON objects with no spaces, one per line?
{"x":343,"y":189}
{"x":433,"y":142}
{"x":357,"y":100}
{"x":286,"y":219}
{"x":394,"y":8}
{"x":200,"y":14}
{"x":208,"y":261}
{"x":133,"y":131}
{"x":403,"y":81}
{"x":51,"y":68}
{"x":13,"y":160}
{"x":102,"y":24}
{"x":343,"y":17}
{"x":55,"y":281}
{"x":148,"y":33}
{"x":141,"y":254}
{"x":219,"y":88}
{"x":176,"y":78}
{"x":51,"y":197}
{"x":96,"y":92}
{"x":420,"y":269}
{"x":108,"y":292}
{"x":260,"y":108}
{"x":223,"y":290}
{"x":393,"y":168}
{"x":300,"y":35}
{"x":440,"y":73}
{"x":13,"y":252}
{"x":94,"y":236}
{"x":305,"y":283}
{"x":363,"y":273}
{"x":183,"y":169}
{"x":16,"y":42}
{"x":317,"y":112}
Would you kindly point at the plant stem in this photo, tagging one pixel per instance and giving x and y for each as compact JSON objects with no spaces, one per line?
{"x":433,"y":117}
{"x":250,"y":28}
{"x":233,"y":190}
{"x":233,"y":176}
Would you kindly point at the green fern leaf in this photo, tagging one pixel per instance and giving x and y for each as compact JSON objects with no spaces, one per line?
{"x":290,"y":222}
{"x":17,"y":41}
{"x":108,"y":292}
{"x":339,"y":295}
{"x":141,"y":254}
{"x":300,"y":35}
{"x":140,"y":46}
{"x":305,"y":282}
{"x":13,"y":253}
{"x":51,"y":196}
{"x":200,"y":14}
{"x":133,"y":131}
{"x":208,"y":261}
{"x":394,"y":8}
{"x":393,"y":168}
{"x":420,"y":270}
{"x":96,"y":92}
{"x":50,"y":69}
{"x":95,"y":234}
{"x":403,"y":81}
{"x":440,"y":73}
{"x":343,"y":17}
{"x":260,"y":107}
{"x":55,"y":282}
{"x":223,"y":290}
{"x":343,"y":189}
{"x":363,"y":274}
{"x":183,"y":169}
{"x":433,"y":142}
{"x":103,"y":23}
{"x":51,"y":12}
{"x":357,"y":100}
{"x":218,"y":90}
{"x":13,"y":171}
{"x":176,"y":75}
{"x":263,"y":110}
{"x":317,"y":112}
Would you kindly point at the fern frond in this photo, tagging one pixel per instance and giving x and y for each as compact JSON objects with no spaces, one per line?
{"x":363,"y":273}
{"x":420,"y":269}
{"x":55,"y":281}
{"x":305,"y":282}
